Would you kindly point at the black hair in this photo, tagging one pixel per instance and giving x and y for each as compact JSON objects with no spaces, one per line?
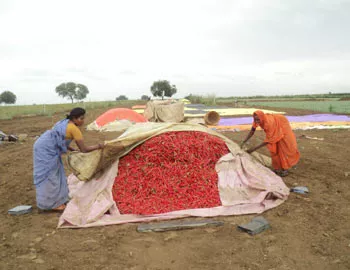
{"x":75,"y":113}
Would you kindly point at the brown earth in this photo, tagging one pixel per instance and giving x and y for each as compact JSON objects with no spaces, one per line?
{"x":308,"y":231}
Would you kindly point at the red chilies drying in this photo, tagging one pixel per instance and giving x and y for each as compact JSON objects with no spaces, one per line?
{"x":169,"y":172}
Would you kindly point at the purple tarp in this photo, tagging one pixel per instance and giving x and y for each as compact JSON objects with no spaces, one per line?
{"x":304,"y":118}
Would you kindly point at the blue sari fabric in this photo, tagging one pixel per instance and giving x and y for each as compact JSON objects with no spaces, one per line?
{"x":49,"y":176}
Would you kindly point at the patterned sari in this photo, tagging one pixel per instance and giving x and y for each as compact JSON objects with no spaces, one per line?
{"x":49,"y":176}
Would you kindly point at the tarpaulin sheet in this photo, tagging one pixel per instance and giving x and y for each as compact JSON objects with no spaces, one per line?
{"x":245,"y":185}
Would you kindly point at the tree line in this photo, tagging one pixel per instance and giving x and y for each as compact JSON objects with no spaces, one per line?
{"x":161,"y":88}
{"x":78,"y":92}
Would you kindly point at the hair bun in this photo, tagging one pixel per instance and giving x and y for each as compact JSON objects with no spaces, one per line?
{"x":76,"y":113}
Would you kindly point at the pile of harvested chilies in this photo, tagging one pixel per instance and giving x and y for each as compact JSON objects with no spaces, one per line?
{"x":169,"y":172}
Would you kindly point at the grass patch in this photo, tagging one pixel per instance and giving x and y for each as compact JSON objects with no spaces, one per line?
{"x":208,"y":100}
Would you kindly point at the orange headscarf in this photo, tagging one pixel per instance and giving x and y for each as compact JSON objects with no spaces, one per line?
{"x":272,"y":127}
{"x":261,"y":116}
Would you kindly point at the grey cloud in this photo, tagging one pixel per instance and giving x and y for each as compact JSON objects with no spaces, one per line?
{"x":306,"y":42}
{"x":37,"y":73}
{"x":289,"y":74}
{"x":127,"y":72}
{"x":301,"y":29}
{"x":5,"y":6}
{"x":38,"y":76}
{"x":6,"y":51}
{"x":83,"y":72}
{"x":76,"y":70}
{"x":181,"y":77}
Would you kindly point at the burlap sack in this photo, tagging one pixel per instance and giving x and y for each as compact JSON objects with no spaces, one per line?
{"x":164,"y":111}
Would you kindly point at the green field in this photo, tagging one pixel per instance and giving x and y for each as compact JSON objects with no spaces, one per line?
{"x":324,"y":104}
{"x":332,"y":106}
{"x":8,"y":112}
{"x":214,"y":100}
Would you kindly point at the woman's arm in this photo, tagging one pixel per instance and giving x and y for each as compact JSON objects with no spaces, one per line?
{"x":86,"y":149}
{"x":251,"y":150}
{"x":250,"y":134}
{"x":70,"y":148}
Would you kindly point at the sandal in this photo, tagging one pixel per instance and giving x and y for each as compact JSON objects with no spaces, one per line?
{"x":58,"y":209}
{"x":281,"y":173}
{"x":12,"y":138}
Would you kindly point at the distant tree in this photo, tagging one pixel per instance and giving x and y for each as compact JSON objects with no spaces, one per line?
{"x":163,"y":88}
{"x":121,"y":97}
{"x":188,"y":97}
{"x":197,"y":99}
{"x":82,"y":92}
{"x":145,"y":97}
{"x":8,"y":97}
{"x":72,"y":91}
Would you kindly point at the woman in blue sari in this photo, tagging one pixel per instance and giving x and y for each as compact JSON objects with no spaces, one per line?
{"x":49,"y":176}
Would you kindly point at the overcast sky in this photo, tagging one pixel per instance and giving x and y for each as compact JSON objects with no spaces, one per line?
{"x":226,"y":47}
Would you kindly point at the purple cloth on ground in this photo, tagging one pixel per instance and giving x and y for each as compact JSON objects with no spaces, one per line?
{"x":304,"y":118}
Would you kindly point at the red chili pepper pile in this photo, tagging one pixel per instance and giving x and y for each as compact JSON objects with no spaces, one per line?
{"x":172,"y":171}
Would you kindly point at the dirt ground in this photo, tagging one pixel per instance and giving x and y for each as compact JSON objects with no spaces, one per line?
{"x":308,"y":231}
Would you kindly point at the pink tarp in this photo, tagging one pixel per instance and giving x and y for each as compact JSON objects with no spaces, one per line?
{"x":245,"y":187}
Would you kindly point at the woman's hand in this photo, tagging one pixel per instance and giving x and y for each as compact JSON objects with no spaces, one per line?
{"x":242,"y":144}
{"x":72,"y":149}
{"x":249,"y":151}
{"x":86,"y":149}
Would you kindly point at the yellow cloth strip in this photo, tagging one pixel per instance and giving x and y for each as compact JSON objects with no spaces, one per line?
{"x":295,"y":125}
{"x":140,"y":111}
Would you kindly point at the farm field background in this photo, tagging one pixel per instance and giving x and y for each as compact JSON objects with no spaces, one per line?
{"x":32,"y":242}
{"x":327,"y":106}
{"x":338,"y":104}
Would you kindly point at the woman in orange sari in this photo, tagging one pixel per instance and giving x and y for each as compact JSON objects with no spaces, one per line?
{"x":280,"y":140}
